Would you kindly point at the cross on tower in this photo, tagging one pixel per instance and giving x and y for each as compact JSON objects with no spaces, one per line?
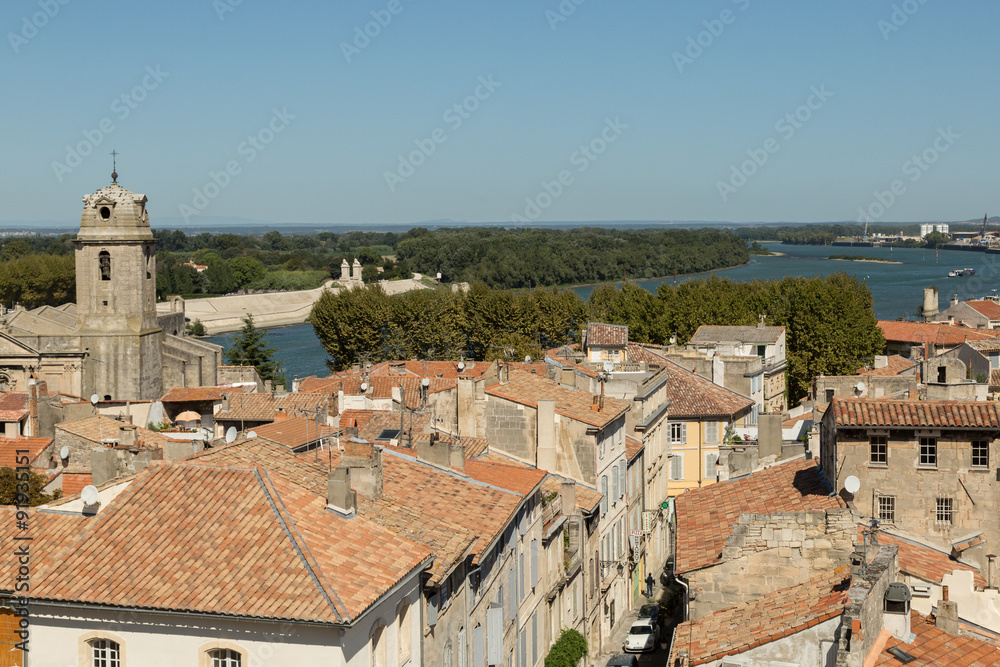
{"x":114,"y":167}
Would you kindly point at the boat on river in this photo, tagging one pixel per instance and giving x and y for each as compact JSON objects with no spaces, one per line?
{"x":958,"y":273}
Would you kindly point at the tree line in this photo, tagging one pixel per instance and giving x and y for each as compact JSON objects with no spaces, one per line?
{"x":831,"y":326}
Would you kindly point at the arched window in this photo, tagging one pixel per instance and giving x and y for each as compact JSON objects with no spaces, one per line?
{"x":225,"y":657}
{"x":104,"y":261}
{"x":104,"y":653}
{"x":378,"y":646}
{"x":404,"y":632}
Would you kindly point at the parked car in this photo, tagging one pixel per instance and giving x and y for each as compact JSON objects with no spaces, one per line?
{"x":650,"y":611}
{"x":667,"y":576}
{"x":620,"y":660}
{"x":641,"y":637}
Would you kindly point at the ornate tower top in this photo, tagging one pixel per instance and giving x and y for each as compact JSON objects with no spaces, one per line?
{"x":115,"y":214}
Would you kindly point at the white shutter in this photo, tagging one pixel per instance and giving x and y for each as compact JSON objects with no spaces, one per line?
{"x":523,"y":652}
{"x":604,"y":492}
{"x":614,"y":483}
{"x":677,"y":467}
{"x":623,"y":473}
{"x":513,"y":591}
{"x":432,"y":610}
{"x":477,"y":646}
{"x":521,"y":574}
{"x":534,"y":563}
{"x":534,"y":637}
{"x":494,"y":635}
{"x":710,"y":460}
{"x":461,"y":647}
{"x":711,"y":433}
{"x":684,"y":433}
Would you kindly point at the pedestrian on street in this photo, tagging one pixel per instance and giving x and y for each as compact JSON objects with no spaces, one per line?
{"x":649,"y":585}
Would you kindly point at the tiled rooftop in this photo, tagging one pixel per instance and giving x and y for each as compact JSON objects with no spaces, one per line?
{"x":988,"y":345}
{"x":607,"y":335}
{"x":73,"y":482}
{"x":13,"y":407}
{"x":936,"y":648}
{"x":645,"y":353}
{"x":766,"y":619}
{"x":986,"y":308}
{"x":705,"y":517}
{"x":918,"y":333}
{"x":264,"y":407}
{"x":895,"y":365}
{"x":633,"y":447}
{"x":709,"y":333}
{"x":99,"y":428}
{"x":528,"y":389}
{"x":693,"y":396}
{"x":9,"y":447}
{"x":229,"y":541}
{"x":294,"y":431}
{"x":50,"y":532}
{"x":474,"y":447}
{"x":926,"y":563}
{"x":360,"y":417}
{"x":561,"y":356}
{"x":196,"y":394}
{"x":587,"y":499}
{"x":411,"y":422}
{"x":860,"y":412}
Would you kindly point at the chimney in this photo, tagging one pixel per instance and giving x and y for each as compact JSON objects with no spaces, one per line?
{"x":545,"y":434}
{"x":339,"y":495}
{"x":364,"y":460}
{"x":279,"y":414}
{"x":33,"y":406}
{"x":350,"y":427}
{"x":267,"y":386}
{"x":568,"y":493}
{"x":947,"y":614}
{"x":456,"y":456}
{"x":954,"y":301}
{"x":126,"y":436}
{"x":881,"y":361}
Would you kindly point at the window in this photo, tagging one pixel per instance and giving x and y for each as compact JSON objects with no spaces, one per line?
{"x":928,"y":451}
{"x":614,"y":484}
{"x":623,"y":474}
{"x":604,"y":494}
{"x":711,"y":433}
{"x":980,"y":454}
{"x":378,"y":641}
{"x":877,"y":443}
{"x":887,"y":509}
{"x":404,"y":632}
{"x":678,"y":433}
{"x":944,"y":511}
{"x":227,"y":657}
{"x":104,"y":262}
{"x":105,"y":653}
{"x":677,"y":467}
{"x":710,"y":460}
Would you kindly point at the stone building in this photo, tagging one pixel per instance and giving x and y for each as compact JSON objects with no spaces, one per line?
{"x":111,"y":341}
{"x":926,"y":469}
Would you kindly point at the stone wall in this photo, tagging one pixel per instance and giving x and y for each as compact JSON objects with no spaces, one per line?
{"x":510,"y":428}
{"x":863,"y":616}
{"x":876,"y":386}
{"x":766,"y":552}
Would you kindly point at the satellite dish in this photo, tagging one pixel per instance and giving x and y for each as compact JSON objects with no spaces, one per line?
{"x":64,"y":452}
{"x":461,"y":365}
{"x":364,"y":387}
{"x":527,"y":359}
{"x":852,"y":484}
{"x":860,"y":387}
{"x":251,"y":434}
{"x":426,"y":382}
{"x":230,"y":434}
{"x":608,"y":366}
{"x":89,"y":495}
{"x":94,"y":399}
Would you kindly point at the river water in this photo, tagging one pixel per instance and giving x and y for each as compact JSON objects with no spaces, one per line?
{"x":896,"y":288}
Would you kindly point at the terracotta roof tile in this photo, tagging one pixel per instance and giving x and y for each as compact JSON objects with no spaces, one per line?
{"x":415,"y":422}
{"x":705,"y":517}
{"x":528,"y":389}
{"x":607,"y":335}
{"x":918,"y":333}
{"x":99,"y":428}
{"x":926,"y":563}
{"x":784,"y":612}
{"x":860,"y":412}
{"x":894,"y":366}
{"x":360,"y":417}
{"x":294,"y":431}
{"x":519,"y":479}
{"x":691,"y":395}
{"x":474,"y":447}
{"x":988,"y":345}
{"x":264,"y":407}
{"x":936,"y":648}
{"x":587,"y":499}
{"x":13,"y":407}
{"x":645,"y":353}
{"x":986,"y":308}
{"x":73,"y":482}
{"x":633,"y":447}
{"x":50,"y":532}
{"x":708,"y":333}
{"x":195,"y":394}
{"x":560,"y":356}
{"x":197,"y":538}
{"x":9,"y":447}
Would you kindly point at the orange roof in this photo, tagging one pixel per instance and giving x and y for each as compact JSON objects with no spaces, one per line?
{"x":632,"y":447}
{"x":587,"y":499}
{"x":360,"y":417}
{"x":50,"y":532}
{"x":955,"y":414}
{"x":264,"y":407}
{"x":99,"y":428}
{"x":926,"y":563}
{"x":705,"y":517}
{"x":73,"y":482}
{"x":235,"y":541}
{"x":792,"y":421}
{"x":448,"y":513}
{"x":412,"y":422}
{"x":692,"y":396}
{"x":314,"y":384}
{"x":474,"y":447}
{"x":896,"y":365}
{"x":607,"y":335}
{"x":765,"y":619}
{"x":988,"y":309}
{"x":196,"y":394}
{"x":558,"y":356}
{"x":294,"y":431}
{"x":937,"y":648}
{"x":925,"y":332}
{"x":646,"y":353}
{"x":382,"y":387}
{"x":519,"y":479}
{"x":528,"y":389}
{"x":13,"y":407}
{"x":10,"y":446}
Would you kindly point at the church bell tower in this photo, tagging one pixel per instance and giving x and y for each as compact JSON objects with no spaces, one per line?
{"x":116,"y":296}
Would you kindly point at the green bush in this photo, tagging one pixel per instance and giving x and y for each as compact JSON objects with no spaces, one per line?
{"x":567,"y":651}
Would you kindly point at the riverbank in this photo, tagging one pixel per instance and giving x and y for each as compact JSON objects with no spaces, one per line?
{"x":871,"y":261}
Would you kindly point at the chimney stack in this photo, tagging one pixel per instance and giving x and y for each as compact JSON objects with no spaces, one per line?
{"x":126,"y":436}
{"x":568,"y":494}
{"x":339,"y":495}
{"x":33,"y":406}
{"x":947,"y":614}
{"x":364,"y":460}
{"x":456,"y":456}
{"x":279,"y":414}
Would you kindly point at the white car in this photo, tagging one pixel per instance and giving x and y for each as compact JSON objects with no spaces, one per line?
{"x":641,"y":637}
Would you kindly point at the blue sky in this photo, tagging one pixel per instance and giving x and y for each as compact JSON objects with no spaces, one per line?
{"x":670,"y":129}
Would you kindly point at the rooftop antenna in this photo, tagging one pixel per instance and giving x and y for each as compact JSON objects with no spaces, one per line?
{"x":114,"y":167}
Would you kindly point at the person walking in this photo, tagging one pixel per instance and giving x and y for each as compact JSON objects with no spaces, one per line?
{"x":649,"y":585}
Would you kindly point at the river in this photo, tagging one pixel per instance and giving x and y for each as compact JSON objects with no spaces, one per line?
{"x":896,"y":288}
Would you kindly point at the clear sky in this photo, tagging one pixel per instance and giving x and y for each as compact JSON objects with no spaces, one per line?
{"x":320,"y":123}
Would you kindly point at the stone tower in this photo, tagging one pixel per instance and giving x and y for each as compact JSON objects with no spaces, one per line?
{"x":116,"y":296}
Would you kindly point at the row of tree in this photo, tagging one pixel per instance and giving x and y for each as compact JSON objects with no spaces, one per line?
{"x":831,"y":326}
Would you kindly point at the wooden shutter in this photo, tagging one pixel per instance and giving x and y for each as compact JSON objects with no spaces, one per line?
{"x":477,"y":646}
{"x":534,"y":563}
{"x":494,"y":635}
{"x":432,"y":610}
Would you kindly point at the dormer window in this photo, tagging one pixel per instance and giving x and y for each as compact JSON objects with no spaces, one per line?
{"x":104,"y":262}
{"x":105,"y":213}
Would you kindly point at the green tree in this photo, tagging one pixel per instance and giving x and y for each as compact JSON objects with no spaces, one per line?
{"x":250,"y":348}
{"x":567,"y":650}
{"x":36,"y":482}
{"x":15,"y":249}
{"x":934,"y":239}
{"x":220,"y":277}
{"x":196,"y":328}
{"x":245,"y":271}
